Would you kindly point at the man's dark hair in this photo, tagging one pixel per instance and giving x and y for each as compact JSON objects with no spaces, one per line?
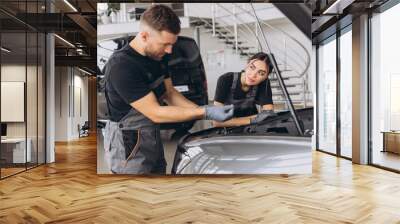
{"x":263,"y":57}
{"x":162,"y":18}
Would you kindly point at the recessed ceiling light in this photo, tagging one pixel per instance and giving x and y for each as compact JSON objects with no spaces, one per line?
{"x":5,"y":50}
{"x":70,"y":5}
{"x":86,"y":72}
{"x":64,"y":40}
{"x":337,"y":7}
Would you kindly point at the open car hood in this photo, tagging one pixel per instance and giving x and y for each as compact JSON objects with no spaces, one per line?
{"x":270,"y":147}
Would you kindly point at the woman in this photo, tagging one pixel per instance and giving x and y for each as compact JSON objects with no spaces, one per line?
{"x":244,"y":90}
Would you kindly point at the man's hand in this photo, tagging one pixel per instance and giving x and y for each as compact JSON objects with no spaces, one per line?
{"x":218,"y":113}
{"x":262,"y":116}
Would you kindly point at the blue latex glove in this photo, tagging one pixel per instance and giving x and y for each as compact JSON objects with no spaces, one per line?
{"x":218,"y":113}
{"x":262,"y":116}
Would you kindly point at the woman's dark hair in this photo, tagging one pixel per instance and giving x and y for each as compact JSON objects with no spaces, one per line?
{"x":262,"y":57}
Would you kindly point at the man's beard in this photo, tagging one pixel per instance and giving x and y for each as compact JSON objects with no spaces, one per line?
{"x":152,"y":55}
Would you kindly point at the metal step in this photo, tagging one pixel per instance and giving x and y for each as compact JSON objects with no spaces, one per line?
{"x":287,"y":86}
{"x":285,"y":70}
{"x":293,"y":101}
{"x":209,"y":20}
{"x":250,"y":49}
{"x":275,"y":83}
{"x":225,"y":37}
{"x":198,"y":23}
{"x":290,"y":93}
{"x":275,"y":79}
{"x":201,"y":21}
{"x":210,"y":27}
{"x":232,"y":42}
{"x":241,"y":48}
{"x":216,"y":31}
{"x":287,"y":76}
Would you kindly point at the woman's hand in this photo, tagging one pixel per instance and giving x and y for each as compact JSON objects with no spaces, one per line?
{"x":262,"y":116}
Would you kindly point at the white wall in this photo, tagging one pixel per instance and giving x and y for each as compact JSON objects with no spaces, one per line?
{"x":61,"y":103}
{"x":67,"y":114}
{"x":80,"y":83}
{"x":14,"y":72}
{"x":33,"y":125}
{"x":265,"y":11}
{"x":211,"y":45}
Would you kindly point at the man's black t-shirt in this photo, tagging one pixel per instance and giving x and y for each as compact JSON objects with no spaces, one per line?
{"x":128,"y":75}
{"x":223,"y":91}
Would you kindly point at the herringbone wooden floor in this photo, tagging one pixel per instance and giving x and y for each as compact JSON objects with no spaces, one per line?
{"x":70,"y":191}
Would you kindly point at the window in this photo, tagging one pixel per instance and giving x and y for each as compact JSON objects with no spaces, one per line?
{"x":385,"y":89}
{"x":346,"y":93}
{"x":327,"y":96}
{"x":22,"y":66}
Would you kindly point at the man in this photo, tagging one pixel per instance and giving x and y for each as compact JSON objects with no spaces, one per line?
{"x":137,"y":80}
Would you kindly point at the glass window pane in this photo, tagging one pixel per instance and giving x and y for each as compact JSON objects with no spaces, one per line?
{"x":346,"y":94}
{"x":327,"y":97}
{"x":23,"y":84}
{"x":13,"y":85}
{"x":385,"y":84}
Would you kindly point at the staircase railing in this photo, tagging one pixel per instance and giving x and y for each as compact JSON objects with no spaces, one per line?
{"x":242,"y":35}
{"x":299,"y":128}
{"x":280,"y":54}
{"x":307,"y":60}
{"x":225,"y":28}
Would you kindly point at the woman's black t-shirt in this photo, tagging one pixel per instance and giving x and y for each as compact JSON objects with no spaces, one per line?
{"x":223,"y":91}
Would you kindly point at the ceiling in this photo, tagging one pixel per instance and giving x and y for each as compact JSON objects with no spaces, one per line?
{"x":326,"y":21}
{"x":72,"y":20}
